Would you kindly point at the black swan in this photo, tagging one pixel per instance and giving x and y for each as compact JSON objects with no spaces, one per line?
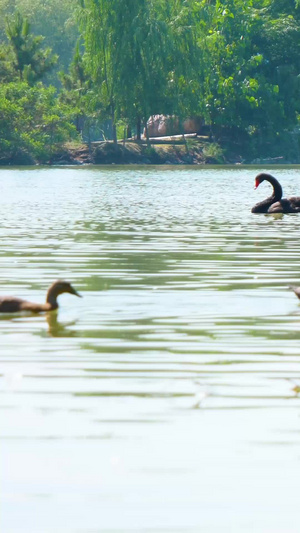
{"x":275,"y":203}
{"x":10,"y":304}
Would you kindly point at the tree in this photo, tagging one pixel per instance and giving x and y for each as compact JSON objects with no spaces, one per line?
{"x":32,"y":122}
{"x":129,"y":47}
{"x":78,"y":95}
{"x":251,"y":83}
{"x":30,"y":61}
{"x":55,"y":20}
{"x":7,"y":72}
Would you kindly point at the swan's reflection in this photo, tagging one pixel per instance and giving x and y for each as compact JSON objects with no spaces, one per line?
{"x":58,"y":329}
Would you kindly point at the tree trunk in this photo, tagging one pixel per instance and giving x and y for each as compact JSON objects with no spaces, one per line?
{"x":138,"y":129}
{"x":185,"y":144}
{"x":147,"y":134}
{"x":89,"y":138}
{"x":114,"y":128}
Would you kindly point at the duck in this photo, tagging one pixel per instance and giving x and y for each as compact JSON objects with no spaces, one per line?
{"x":275,"y":203}
{"x":11,"y":304}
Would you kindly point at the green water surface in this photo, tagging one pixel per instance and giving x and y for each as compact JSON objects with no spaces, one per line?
{"x":166,"y":400}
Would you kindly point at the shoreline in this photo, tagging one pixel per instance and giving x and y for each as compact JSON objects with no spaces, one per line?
{"x":192,"y":151}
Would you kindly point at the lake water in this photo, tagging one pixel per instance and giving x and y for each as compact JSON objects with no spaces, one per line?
{"x":166,"y":400}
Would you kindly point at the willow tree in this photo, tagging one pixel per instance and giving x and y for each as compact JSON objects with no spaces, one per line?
{"x":129,"y":47}
{"x":189,"y":60}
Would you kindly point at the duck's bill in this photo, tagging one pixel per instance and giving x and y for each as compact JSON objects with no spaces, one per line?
{"x":73,"y":291}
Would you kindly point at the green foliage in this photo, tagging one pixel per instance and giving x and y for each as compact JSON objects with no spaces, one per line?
{"x":7,"y":71}
{"x":77,"y":93}
{"x":214,"y":151}
{"x":130,"y":49}
{"x":32,"y":122}
{"x":230,"y":62}
{"x":30,"y":61}
{"x":251,"y":80}
{"x":75,"y":86}
{"x":236,"y":63}
{"x":53,"y":19}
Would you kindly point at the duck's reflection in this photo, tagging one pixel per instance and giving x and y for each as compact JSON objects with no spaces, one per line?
{"x":59,"y":329}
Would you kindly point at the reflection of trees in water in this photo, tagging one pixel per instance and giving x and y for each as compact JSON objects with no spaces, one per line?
{"x":127,"y":263}
{"x":58,"y":329}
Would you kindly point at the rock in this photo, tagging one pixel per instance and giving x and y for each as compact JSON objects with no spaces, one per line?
{"x":162,"y":125}
{"x":168,"y":125}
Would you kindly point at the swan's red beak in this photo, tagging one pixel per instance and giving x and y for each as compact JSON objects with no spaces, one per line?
{"x":257,"y":182}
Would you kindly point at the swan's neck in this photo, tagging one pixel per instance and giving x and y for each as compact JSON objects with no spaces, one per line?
{"x":277,"y":189}
{"x":262,"y":207}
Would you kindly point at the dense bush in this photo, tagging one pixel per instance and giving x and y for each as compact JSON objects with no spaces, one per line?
{"x":32,"y":123}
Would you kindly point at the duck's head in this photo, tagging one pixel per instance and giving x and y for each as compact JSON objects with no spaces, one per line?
{"x":60,"y":286}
